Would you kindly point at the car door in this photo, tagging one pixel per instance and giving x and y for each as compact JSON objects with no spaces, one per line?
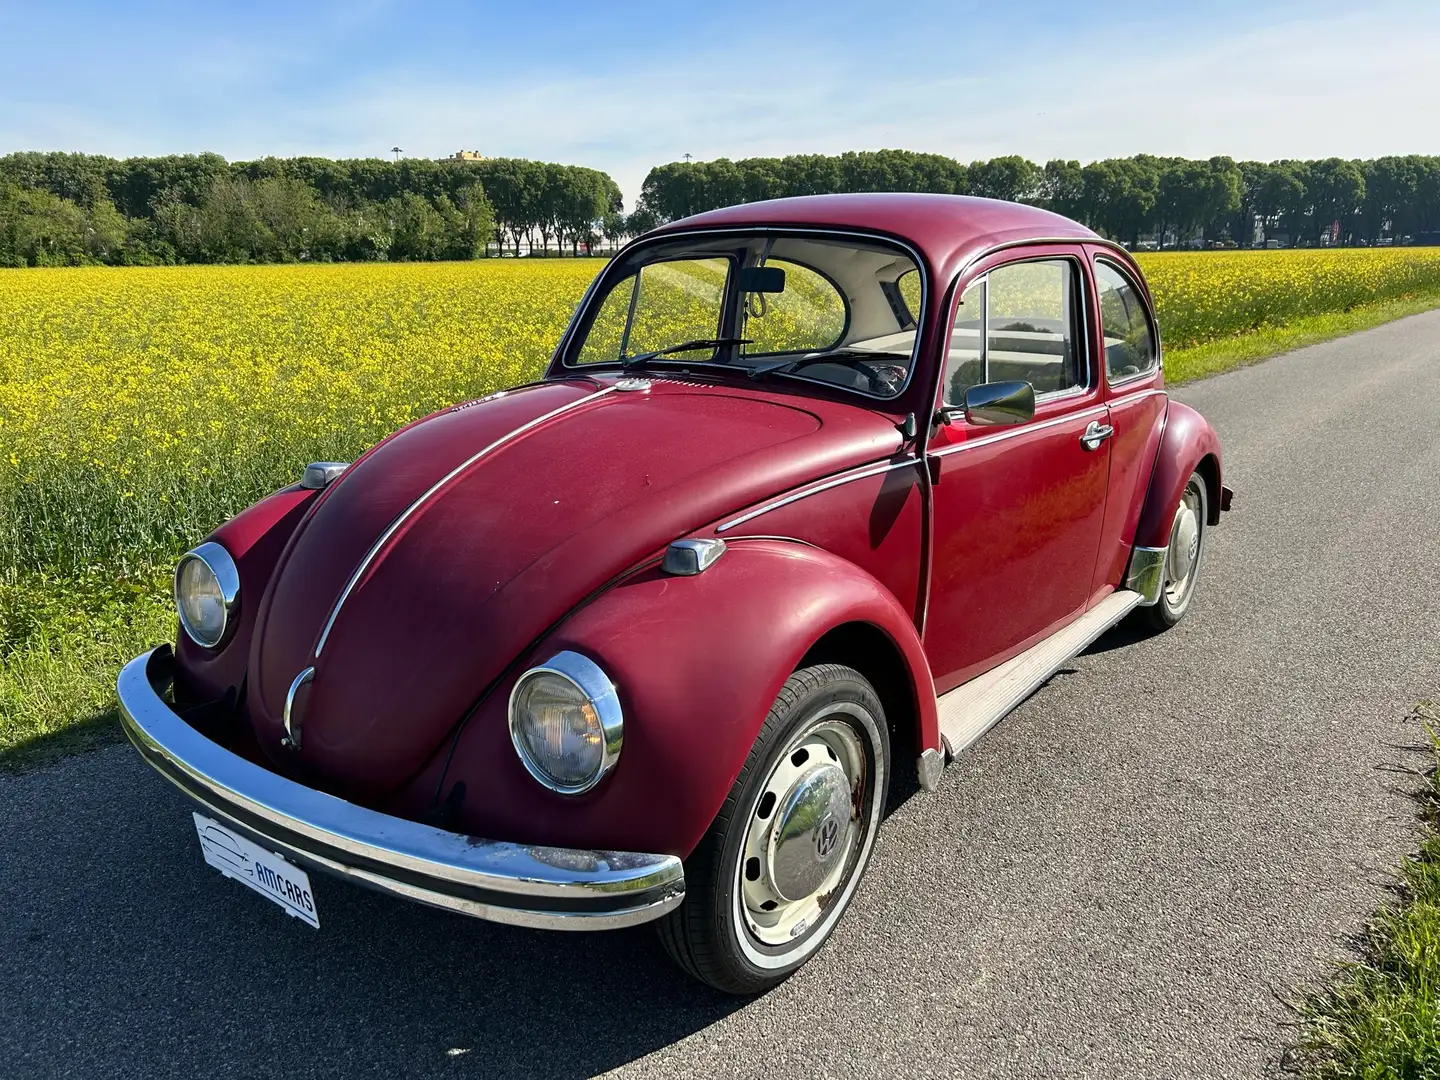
{"x":1135,"y":396}
{"x":1016,"y":511}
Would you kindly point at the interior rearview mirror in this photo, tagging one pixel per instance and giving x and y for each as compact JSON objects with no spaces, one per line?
{"x":762,"y":279}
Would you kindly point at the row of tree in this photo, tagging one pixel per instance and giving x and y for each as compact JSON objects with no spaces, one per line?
{"x":1184,"y":200}
{"x":58,"y":209}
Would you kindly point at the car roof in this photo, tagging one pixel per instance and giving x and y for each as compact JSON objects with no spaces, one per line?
{"x":948,"y":230}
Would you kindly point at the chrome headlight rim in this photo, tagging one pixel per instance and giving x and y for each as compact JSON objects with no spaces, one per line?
{"x":592,"y":682}
{"x":222,"y":567}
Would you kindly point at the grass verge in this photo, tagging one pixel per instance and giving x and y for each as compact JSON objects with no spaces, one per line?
{"x":1379,"y":1019}
{"x":1241,"y":350}
{"x":62,"y":642}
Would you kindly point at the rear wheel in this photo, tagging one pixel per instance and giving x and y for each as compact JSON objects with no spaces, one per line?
{"x":1182,"y":561}
{"x":772,"y":877}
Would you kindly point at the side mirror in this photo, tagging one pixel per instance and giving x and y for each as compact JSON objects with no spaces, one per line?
{"x":993,"y":404}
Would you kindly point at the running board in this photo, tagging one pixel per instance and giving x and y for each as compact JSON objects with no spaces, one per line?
{"x":968,"y":711}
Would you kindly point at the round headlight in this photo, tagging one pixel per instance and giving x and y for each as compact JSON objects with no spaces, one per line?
{"x":565,"y":723}
{"x":207,"y":592}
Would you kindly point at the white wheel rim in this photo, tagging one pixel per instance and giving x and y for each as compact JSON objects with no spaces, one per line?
{"x":796,"y":872}
{"x":1186,"y":539}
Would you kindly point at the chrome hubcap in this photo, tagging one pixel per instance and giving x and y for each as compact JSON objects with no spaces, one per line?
{"x":803,"y":832}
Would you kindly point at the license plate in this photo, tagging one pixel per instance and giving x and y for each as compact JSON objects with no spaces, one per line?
{"x":268,"y":874}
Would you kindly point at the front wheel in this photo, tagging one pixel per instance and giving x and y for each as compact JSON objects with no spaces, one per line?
{"x":1182,"y":560}
{"x":771,"y":878}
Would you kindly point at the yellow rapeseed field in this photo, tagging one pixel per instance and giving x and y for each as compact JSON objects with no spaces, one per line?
{"x":140,"y":407}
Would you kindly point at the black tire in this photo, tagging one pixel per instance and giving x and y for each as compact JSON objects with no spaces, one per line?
{"x":708,"y":935}
{"x":1170,"y":609}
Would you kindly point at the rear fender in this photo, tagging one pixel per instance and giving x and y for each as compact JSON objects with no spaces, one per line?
{"x":697,"y":661}
{"x":1188,"y":444}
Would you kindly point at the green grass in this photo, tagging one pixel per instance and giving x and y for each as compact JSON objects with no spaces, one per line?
{"x":1379,"y":1019}
{"x":1225,"y":354}
{"x":62,"y":642}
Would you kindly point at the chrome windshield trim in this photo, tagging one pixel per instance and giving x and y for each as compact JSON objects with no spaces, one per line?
{"x":523,"y":884}
{"x":394,"y":526}
{"x":815,"y":489}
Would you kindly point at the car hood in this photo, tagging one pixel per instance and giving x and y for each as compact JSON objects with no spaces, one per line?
{"x":452,"y":546}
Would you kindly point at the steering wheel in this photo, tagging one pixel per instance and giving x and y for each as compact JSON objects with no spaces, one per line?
{"x":879,"y":384}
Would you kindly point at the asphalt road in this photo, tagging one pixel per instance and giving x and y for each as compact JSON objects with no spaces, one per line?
{"x":1124,"y":879}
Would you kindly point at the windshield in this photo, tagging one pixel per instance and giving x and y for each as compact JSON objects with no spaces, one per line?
{"x":832,"y":309}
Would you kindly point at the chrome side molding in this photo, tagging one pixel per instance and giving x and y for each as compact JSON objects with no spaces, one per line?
{"x":319,"y":475}
{"x":1146,"y":575}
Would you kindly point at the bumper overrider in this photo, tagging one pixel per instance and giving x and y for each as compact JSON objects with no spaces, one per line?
{"x":522,"y":884}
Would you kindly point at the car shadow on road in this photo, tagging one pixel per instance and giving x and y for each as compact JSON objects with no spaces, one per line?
{"x":122,"y":954}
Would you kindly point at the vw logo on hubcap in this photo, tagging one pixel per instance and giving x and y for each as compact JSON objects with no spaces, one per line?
{"x":826,"y":836}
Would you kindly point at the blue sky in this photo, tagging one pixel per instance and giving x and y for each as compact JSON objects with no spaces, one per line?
{"x":623,"y":86}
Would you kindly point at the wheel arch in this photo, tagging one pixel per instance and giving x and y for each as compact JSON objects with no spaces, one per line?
{"x":874,"y":654}
{"x":1188,"y":445}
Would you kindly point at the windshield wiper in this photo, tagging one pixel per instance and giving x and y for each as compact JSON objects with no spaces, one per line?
{"x":685,"y":346}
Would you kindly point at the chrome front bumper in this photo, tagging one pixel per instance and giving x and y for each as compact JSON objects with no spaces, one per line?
{"x":527,"y":885}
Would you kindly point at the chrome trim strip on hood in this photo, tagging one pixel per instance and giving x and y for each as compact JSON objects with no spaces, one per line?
{"x":394,"y":526}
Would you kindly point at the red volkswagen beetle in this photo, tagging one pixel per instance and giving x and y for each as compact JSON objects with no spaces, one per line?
{"x":813,"y":493}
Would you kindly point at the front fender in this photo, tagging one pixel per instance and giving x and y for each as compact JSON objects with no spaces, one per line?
{"x":697,"y":662}
{"x":1187,"y":441}
{"x":255,"y":538}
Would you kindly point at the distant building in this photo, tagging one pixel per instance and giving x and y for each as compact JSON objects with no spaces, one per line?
{"x":466,"y":155}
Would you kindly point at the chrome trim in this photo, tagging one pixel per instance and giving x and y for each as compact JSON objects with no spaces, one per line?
{"x":929,"y":767}
{"x":521,"y":884}
{"x":319,"y":475}
{"x":826,"y":485}
{"x":587,"y":677}
{"x":686,"y":558}
{"x":394,"y":526}
{"x":1095,"y":434}
{"x":632,"y":384}
{"x":1125,"y":399}
{"x":1146,"y":574}
{"x":999,"y":404}
{"x":227,"y":575}
{"x":292,"y":729}
{"x":1010,"y":433}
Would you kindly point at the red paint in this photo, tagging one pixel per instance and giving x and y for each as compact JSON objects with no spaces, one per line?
{"x":697,"y":662}
{"x":1187,"y":442}
{"x":550,"y":542}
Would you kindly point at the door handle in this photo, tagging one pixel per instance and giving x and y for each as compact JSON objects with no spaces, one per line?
{"x":1095,"y":434}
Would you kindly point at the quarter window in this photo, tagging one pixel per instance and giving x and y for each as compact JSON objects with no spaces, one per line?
{"x":1129,"y":342}
{"x":1017,"y":323}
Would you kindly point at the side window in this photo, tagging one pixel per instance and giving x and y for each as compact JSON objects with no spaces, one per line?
{"x":808,"y":316}
{"x":669,"y":302}
{"x":1018,"y":322}
{"x":1129,"y":344}
{"x":1030,"y":326}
